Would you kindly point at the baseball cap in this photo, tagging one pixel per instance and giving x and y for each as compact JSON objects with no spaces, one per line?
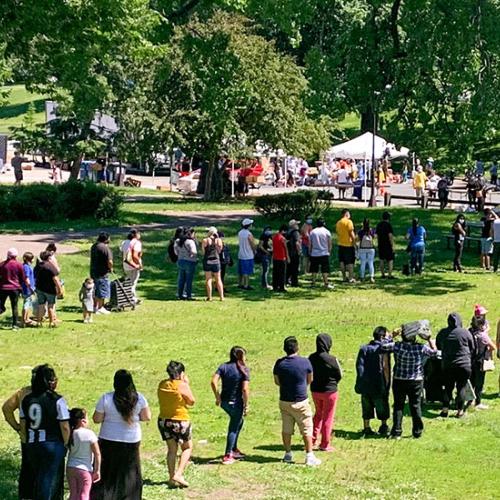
{"x":293,"y":222}
{"x":247,"y":222}
{"x":479,"y":310}
{"x":12,"y":252}
{"x":212,"y":230}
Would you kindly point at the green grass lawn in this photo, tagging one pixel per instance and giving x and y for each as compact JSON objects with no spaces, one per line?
{"x":11,"y":115}
{"x":455,"y":458}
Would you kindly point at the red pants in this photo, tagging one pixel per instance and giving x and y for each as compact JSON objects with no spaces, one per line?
{"x":324,"y":418}
{"x":79,"y":482}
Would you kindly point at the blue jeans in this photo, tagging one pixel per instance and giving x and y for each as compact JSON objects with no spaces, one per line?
{"x":266,"y":264}
{"x":235,"y":412}
{"x":417,"y":259}
{"x":45,"y":459}
{"x":185,"y":278}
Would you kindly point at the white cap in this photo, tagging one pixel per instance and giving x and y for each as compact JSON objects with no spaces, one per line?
{"x":12,"y":253}
{"x":247,"y":222}
{"x":211,"y":230}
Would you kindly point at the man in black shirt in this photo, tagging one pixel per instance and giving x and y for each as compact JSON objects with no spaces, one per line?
{"x":294,"y":250}
{"x":101,"y":264}
{"x":385,"y":237}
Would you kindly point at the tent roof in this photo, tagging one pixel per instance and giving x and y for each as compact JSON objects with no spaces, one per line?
{"x":361,"y":148}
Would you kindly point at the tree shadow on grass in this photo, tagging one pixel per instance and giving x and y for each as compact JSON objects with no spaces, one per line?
{"x":9,"y":470}
{"x":427,"y":285}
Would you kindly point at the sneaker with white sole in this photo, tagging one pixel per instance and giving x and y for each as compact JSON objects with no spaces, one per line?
{"x":103,"y":310}
{"x":482,"y":407}
{"x":288,"y":458}
{"x":312,"y":460}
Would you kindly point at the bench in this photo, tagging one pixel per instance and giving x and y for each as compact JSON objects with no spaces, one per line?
{"x":468,"y":241}
{"x":131,"y":182}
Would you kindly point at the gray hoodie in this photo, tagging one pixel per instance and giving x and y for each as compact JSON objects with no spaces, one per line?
{"x":456,"y":343}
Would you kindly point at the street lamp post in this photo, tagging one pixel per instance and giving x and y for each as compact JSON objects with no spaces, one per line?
{"x":376,"y":99}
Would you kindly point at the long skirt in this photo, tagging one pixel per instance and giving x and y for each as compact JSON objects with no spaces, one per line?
{"x":121,"y":477}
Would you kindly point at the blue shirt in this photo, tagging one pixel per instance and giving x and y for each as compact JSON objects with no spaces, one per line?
{"x":292,"y":372}
{"x":28,"y":271}
{"x":409,"y":359}
{"x":418,"y":239}
{"x":232,"y":382}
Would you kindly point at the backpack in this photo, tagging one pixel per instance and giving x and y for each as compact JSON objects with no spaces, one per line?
{"x":171,"y":253}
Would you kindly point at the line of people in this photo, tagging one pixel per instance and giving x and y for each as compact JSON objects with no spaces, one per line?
{"x":109,"y":466}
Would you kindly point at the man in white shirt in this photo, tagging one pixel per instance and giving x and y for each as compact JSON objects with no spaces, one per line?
{"x":131,"y":249}
{"x":496,"y":242}
{"x":246,"y":252}
{"x":320,"y":247}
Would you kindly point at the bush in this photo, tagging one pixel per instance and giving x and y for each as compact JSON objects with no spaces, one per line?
{"x":296,"y":204}
{"x":71,"y":200}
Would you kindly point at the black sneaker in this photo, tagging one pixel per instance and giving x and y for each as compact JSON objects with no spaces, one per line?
{"x":383,"y":430}
{"x":368,"y":432}
{"x":417,"y":435}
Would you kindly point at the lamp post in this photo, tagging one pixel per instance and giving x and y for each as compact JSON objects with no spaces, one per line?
{"x":376,"y":100}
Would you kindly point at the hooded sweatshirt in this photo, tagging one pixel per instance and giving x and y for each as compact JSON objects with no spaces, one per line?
{"x":326,"y":369}
{"x":456,"y":343}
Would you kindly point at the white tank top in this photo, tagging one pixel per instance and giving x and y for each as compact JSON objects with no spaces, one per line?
{"x":245,"y":251}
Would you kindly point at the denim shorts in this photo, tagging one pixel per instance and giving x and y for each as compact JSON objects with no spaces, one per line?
{"x":45,"y":298}
{"x":486,"y":246}
{"x":245,"y":266}
{"x":29,"y":301}
{"x":102,"y":288}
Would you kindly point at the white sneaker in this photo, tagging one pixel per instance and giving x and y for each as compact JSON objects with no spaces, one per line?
{"x":482,"y":407}
{"x":103,"y":310}
{"x":85,"y":320}
{"x":288,"y":458}
{"x":312,"y":460}
{"x":90,"y":320}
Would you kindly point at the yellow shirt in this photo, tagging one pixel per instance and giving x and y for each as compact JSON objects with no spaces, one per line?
{"x":344,"y":229}
{"x":419,"y":180}
{"x":172,"y":404}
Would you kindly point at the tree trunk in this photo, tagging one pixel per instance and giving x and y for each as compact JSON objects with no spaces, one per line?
{"x":213,"y":181}
{"x":75,"y":168}
{"x":366,"y":124}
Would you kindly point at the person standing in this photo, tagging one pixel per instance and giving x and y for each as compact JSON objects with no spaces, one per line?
{"x":305,"y":232}
{"x":324,"y":389}
{"x":26,"y":482}
{"x":17,"y":165}
{"x":459,"y":234}
{"x":457,"y":347}
{"x":485,"y":347}
{"x":28,"y":289}
{"x":12,"y":279}
{"x":294,"y":248}
{"x":494,"y":172}
{"x":320,"y":248}
{"x":265,"y":251}
{"x":496,"y":243}
{"x":120,"y":412}
{"x":233,"y":399}
{"x":48,"y":289}
{"x":487,"y":241}
{"x":101,"y":264}
{"x":131,"y":250}
{"x":246,"y":251}
{"x":373,"y":381}
{"x":280,"y":259}
{"x":175,"y":397}
{"x":212,"y":248}
{"x":346,"y":239}
{"x":45,"y":429}
{"x":419,"y":182}
{"x":416,"y":236}
{"x":187,"y":257}
{"x":293,"y":374}
{"x":366,"y":239}
{"x":385,"y":239}
{"x":408,"y":381}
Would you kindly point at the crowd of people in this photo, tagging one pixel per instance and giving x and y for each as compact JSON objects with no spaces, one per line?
{"x":109,"y":465}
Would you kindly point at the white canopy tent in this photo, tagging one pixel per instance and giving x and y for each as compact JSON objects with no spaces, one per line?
{"x":361,"y":148}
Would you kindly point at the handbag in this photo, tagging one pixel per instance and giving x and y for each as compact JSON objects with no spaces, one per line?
{"x":488,"y":365}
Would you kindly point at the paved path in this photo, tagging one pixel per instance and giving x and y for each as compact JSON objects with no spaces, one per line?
{"x":37,"y":242}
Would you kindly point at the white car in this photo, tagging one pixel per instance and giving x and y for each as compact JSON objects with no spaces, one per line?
{"x":189,"y":183}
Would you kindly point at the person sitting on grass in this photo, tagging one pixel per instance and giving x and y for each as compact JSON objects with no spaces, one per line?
{"x":408,"y":380}
{"x":293,"y":374}
{"x":174,"y":424}
{"x":373,"y":380}
{"x":28,"y":289}
{"x":233,"y":399}
{"x":48,"y":289}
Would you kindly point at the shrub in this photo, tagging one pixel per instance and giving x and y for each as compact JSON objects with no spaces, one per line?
{"x":296,"y":204}
{"x":47,"y":202}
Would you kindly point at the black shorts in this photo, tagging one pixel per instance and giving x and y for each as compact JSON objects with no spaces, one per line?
{"x":178,"y":430}
{"x":347,"y":255}
{"x":211,"y":267}
{"x":385,"y":253}
{"x":370,"y":404}
{"x":322,"y":262}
